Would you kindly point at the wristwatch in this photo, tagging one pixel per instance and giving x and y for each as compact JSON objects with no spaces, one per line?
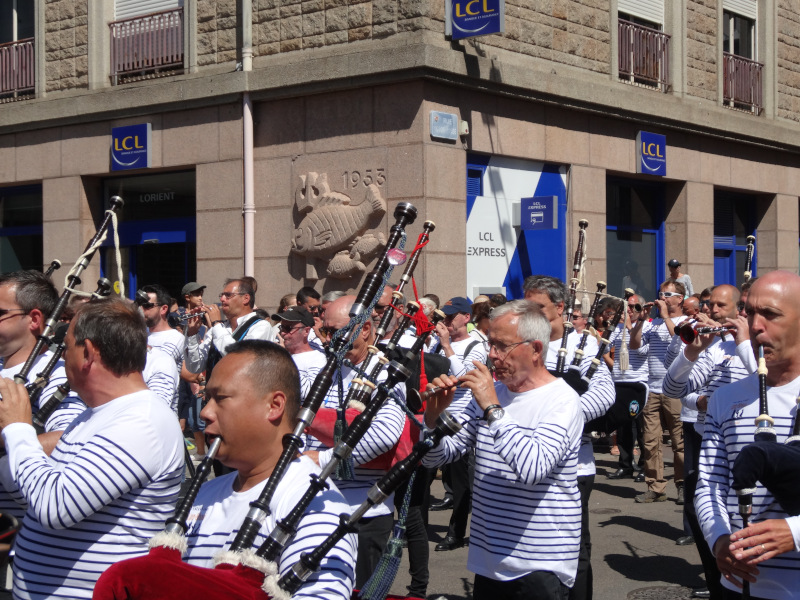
{"x":493,"y":413}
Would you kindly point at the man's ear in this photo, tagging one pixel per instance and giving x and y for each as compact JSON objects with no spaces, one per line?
{"x":277,"y":405}
{"x":91,"y":354}
{"x":560,"y":308}
{"x":37,"y":321}
{"x":366,"y":331}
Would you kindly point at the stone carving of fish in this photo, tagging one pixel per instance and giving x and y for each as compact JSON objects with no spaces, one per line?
{"x":333,"y":224}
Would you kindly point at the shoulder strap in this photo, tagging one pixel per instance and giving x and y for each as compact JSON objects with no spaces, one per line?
{"x":242,"y":330}
{"x":470,"y":347}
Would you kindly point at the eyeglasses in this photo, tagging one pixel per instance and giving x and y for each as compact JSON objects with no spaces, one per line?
{"x":329,"y":331}
{"x":288,"y":327}
{"x":740,"y":306}
{"x":502,"y":350}
{"x":704,"y":303}
{"x":5,"y":311}
{"x":148,"y":305}
{"x":379,"y":308}
{"x":669,"y":294}
{"x":230,"y":295}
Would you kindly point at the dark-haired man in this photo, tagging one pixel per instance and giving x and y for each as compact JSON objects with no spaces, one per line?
{"x":160,"y":334}
{"x":294,"y":327}
{"x":253,"y":400}
{"x":26,"y":300}
{"x":307,"y":297}
{"x":115,"y":473}
{"x":240,"y":322}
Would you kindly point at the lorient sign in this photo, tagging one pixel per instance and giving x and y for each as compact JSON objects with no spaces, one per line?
{"x":471,"y":18}
{"x":130,"y":147}
{"x":651,"y":153}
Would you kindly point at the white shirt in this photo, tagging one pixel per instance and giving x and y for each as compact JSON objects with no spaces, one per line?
{"x":222,"y":336}
{"x":526,"y":508}
{"x":162,"y":376}
{"x":219,"y":512}
{"x":171,"y":341}
{"x":308,"y":365}
{"x":109,"y":486}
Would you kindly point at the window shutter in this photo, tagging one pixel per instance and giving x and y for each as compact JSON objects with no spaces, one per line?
{"x":724,"y":230}
{"x":125,"y":9}
{"x":745,"y":8}
{"x":650,"y":10}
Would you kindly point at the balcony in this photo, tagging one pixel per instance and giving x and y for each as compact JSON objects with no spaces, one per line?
{"x":147,"y":46}
{"x":643,"y":56}
{"x":17,"y":70}
{"x":742,"y":86}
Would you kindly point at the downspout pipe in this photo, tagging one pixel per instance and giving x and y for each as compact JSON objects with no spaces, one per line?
{"x":248,"y":182}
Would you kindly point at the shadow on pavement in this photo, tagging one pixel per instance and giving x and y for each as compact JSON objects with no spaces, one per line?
{"x":620,"y":488}
{"x":651,"y":526}
{"x":656,"y":568}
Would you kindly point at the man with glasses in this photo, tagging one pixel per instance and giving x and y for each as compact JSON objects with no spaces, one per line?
{"x":27,"y":298}
{"x":294,"y":326}
{"x":240,"y":322}
{"x":660,"y":407}
{"x":551,"y":295}
{"x":310,"y":299}
{"x":525,"y":430}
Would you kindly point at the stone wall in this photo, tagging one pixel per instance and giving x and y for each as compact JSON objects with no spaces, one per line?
{"x":66,"y":44}
{"x":788,"y":67}
{"x":701,"y":49}
{"x":216,"y":32}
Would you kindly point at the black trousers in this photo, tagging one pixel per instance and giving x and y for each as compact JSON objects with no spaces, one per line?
{"x":691,"y":449}
{"x":539,"y":585}
{"x":626,"y":435}
{"x":461,"y":474}
{"x":416,"y":530}
{"x":373,"y":534}
{"x":582,"y":590}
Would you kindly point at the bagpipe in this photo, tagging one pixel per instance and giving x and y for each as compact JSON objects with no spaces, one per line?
{"x":578,"y":272}
{"x":241,"y":572}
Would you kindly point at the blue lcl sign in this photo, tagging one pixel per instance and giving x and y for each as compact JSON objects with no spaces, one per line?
{"x":651,"y":153}
{"x":471,"y":18}
{"x":130,"y":147}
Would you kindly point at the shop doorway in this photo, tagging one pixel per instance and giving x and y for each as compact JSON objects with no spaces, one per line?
{"x":157,"y":232}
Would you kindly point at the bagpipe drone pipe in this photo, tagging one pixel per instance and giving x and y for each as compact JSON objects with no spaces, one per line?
{"x":162,"y":574}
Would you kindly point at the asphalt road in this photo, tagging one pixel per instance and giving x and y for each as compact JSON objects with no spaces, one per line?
{"x":634,"y":555}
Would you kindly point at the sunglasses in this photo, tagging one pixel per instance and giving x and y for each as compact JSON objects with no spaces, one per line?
{"x":329,"y":331}
{"x":5,"y":311}
{"x":148,"y":305}
{"x":669,"y":294}
{"x":289,"y":327}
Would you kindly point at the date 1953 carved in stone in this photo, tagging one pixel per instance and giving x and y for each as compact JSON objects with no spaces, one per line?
{"x":332,"y":234}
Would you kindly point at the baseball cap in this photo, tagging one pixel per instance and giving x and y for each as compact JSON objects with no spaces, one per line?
{"x":295,"y":314}
{"x":190,"y":287}
{"x":674,"y":263}
{"x":457,"y":305}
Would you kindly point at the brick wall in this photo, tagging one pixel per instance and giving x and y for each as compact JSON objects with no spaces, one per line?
{"x":66,"y":44}
{"x":788,"y":67}
{"x":216,"y":31}
{"x":701,"y":49}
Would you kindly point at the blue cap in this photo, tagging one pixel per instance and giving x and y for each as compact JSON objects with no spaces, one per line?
{"x":457,"y":305}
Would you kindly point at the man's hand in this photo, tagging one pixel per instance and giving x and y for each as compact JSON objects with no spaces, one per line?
{"x":663,"y":311}
{"x":15,"y":406}
{"x":703,"y":341}
{"x":740,"y":331}
{"x":480,"y":381}
{"x":437,"y":403}
{"x":761,"y":541}
{"x":732,"y":569}
{"x":444,"y":335}
{"x":214,"y":313}
{"x":702,"y":403}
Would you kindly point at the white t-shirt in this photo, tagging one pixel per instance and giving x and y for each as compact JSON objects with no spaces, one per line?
{"x":162,"y":376}
{"x":308,"y":365}
{"x":171,"y":341}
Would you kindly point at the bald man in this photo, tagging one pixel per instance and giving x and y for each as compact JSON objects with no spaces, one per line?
{"x":765,"y":553}
{"x":702,"y":367}
{"x":691,"y":306}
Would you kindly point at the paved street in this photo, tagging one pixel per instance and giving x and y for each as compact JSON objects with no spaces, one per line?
{"x":634,"y":555}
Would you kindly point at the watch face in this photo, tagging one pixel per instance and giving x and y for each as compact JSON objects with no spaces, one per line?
{"x":497,"y":413}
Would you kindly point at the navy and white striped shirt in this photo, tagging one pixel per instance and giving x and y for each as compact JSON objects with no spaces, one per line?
{"x":723,"y":362}
{"x":162,"y":377}
{"x":382,"y":435}
{"x":308,"y":365}
{"x":526,"y":508}
{"x":729,"y":426}
{"x":461,"y":363}
{"x":219,"y":512}
{"x":109,"y":486}
{"x":638,"y":369}
{"x":655,"y":341}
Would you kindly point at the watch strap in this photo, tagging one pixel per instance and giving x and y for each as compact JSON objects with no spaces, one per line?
{"x":489,"y":409}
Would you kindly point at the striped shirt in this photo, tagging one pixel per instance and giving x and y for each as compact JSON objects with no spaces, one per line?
{"x":723,"y":362}
{"x":382,"y":435}
{"x":638,"y":368}
{"x":655,"y":341}
{"x":218,"y":512}
{"x":308,"y":365}
{"x":526,"y":509}
{"x":171,"y":341}
{"x":108,"y":487}
{"x":464,"y":352}
{"x":729,"y":426}
{"x":11,"y":499}
{"x":162,"y":377}
{"x":688,"y":401}
{"x":598,"y":398}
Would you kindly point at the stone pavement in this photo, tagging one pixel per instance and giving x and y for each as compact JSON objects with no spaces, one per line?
{"x":634,"y":555}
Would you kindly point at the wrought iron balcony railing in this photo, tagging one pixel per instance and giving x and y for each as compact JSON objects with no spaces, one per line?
{"x":643,"y":55}
{"x":149,"y":44}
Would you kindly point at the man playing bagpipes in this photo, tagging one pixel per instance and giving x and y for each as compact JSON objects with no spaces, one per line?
{"x":526,"y":430}
{"x":113,"y":477}
{"x":253,"y":398}
{"x":383,"y":434}
{"x":764,"y":554}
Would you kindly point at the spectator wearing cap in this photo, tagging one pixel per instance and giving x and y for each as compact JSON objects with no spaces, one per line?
{"x":294,"y":326}
{"x":463,"y":351}
{"x":192,"y":294}
{"x":675,"y":273}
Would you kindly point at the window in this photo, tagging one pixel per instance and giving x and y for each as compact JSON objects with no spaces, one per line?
{"x":17,"y":67}
{"x":742,"y":85}
{"x":734,"y":220}
{"x":643,"y":50}
{"x":738,"y":35}
{"x":21,"y":228}
{"x":634,"y":237}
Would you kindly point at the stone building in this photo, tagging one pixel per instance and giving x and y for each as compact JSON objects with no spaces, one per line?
{"x":282,"y":133}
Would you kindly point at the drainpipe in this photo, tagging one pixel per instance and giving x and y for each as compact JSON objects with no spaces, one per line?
{"x":248,"y":183}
